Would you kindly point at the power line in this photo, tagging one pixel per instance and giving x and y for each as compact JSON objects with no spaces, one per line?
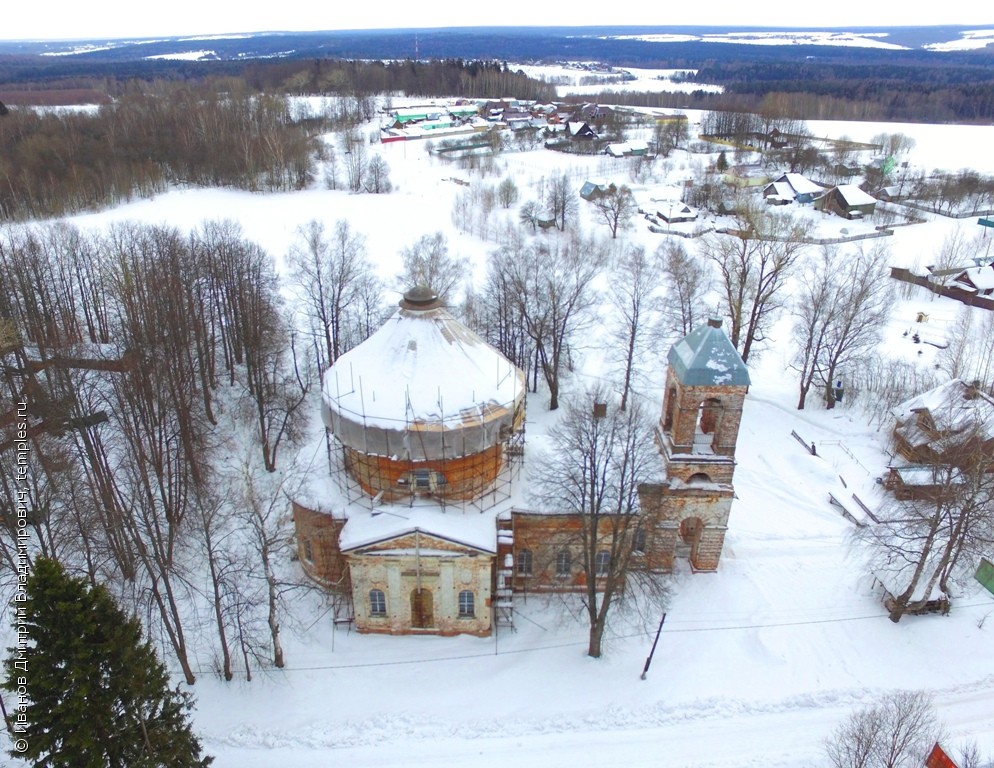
{"x":581,"y":643}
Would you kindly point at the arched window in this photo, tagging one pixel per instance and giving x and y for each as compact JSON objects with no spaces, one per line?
{"x":564,"y":562}
{"x":638,"y":539}
{"x":466,"y":605}
{"x":670,"y":407}
{"x":423,"y":480}
{"x":602,"y":563}
{"x":524,"y":562}
{"x":377,"y":603}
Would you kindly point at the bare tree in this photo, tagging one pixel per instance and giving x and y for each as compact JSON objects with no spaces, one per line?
{"x":223,"y":570}
{"x":633,"y":289}
{"x":593,"y":470}
{"x":863,"y":300}
{"x":812,"y":310}
{"x":616,"y":208}
{"x":945,"y":520}
{"x":354,"y":151}
{"x":552,"y":292}
{"x":561,"y":200}
{"x":894,"y":144}
{"x":529,"y":214}
{"x":898,"y":731}
{"x":498,"y":311}
{"x":923,"y":543}
{"x":269,"y":536}
{"x":377,"y":176}
{"x":688,"y":281}
{"x":331,"y":274}
{"x":427,"y":262}
{"x":507,"y":192}
{"x":843,"y":304}
{"x":669,"y":135}
{"x":754,"y":264}
{"x":970,"y":353}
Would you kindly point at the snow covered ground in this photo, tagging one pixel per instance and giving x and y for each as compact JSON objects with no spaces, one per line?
{"x":756,"y":664}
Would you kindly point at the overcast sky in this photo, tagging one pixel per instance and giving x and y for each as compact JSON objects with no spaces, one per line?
{"x":61,"y":19}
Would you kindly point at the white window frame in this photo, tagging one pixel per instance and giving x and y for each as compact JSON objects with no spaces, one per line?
{"x":382,"y":600}
{"x":467,"y":598}
{"x":602,"y":564}
{"x":523,"y":563}
{"x":564,"y":563}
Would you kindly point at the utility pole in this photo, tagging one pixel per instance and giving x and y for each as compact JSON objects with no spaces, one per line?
{"x":648,"y":660}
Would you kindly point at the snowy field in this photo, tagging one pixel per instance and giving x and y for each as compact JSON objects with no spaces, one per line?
{"x":756,"y":664}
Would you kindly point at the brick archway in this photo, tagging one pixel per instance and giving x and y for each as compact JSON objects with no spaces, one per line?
{"x":690,"y":531}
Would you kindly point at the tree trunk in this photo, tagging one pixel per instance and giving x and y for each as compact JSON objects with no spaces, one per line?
{"x":594,"y":642}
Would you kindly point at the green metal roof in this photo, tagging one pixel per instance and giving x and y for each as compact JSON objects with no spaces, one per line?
{"x":706,"y":358}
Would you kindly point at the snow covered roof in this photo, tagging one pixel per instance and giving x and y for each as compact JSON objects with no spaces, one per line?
{"x":982,"y":278}
{"x":800,"y":184}
{"x":422,"y":369}
{"x":706,"y":357}
{"x":780,"y":189}
{"x":954,"y":408}
{"x":365,"y":528}
{"x":853,"y":195}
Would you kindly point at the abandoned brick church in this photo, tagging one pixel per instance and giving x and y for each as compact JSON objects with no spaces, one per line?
{"x":414,"y":526}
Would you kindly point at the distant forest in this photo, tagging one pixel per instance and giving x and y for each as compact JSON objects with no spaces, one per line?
{"x":809,"y":81}
{"x":235,"y":131}
{"x":230,"y":123}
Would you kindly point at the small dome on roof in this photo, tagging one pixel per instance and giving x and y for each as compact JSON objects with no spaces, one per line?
{"x":420,"y":297}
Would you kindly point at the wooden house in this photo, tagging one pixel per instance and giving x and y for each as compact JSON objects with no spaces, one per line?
{"x":976,"y":280}
{"x":592,"y":190}
{"x":789,"y":188}
{"x":675,"y":212}
{"x":580,"y":131}
{"x":847,"y":201}
{"x":952,"y":424}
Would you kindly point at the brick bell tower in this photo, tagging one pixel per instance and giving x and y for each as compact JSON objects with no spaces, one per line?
{"x":706,"y":385}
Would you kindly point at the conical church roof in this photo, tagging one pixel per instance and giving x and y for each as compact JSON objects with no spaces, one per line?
{"x":705,"y":357}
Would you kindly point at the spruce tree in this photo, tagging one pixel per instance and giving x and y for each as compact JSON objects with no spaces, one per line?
{"x":97,"y":695}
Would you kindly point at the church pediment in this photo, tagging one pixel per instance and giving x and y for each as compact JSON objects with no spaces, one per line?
{"x":416,"y":539}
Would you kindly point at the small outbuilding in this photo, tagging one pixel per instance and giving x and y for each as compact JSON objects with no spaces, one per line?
{"x":675,"y":212}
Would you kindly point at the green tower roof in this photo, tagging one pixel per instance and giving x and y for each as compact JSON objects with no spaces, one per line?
{"x":706,"y":358}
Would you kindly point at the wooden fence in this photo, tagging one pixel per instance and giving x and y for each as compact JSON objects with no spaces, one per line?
{"x":970,"y":299}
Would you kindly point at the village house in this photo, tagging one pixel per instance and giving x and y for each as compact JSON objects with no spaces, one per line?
{"x":580,"y":131}
{"x":675,"y":211}
{"x":634,"y":148}
{"x":789,"y":188}
{"x":847,"y":201}
{"x":978,"y":281}
{"x":592,"y":190}
{"x":939,"y":434}
{"x":425,"y":426}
